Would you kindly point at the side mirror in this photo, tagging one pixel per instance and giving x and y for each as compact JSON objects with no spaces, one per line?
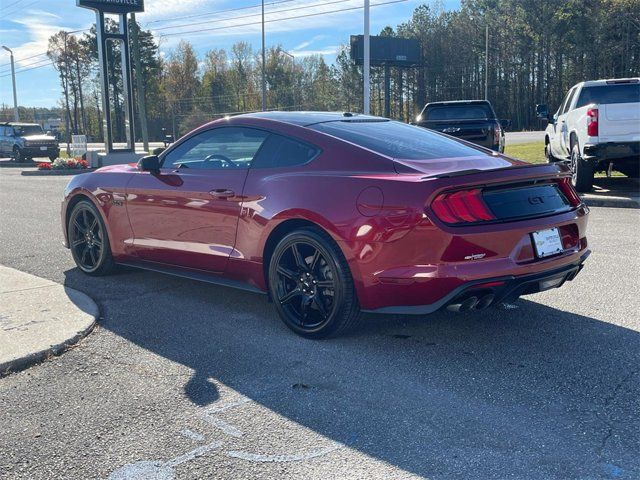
{"x":505,"y":124}
{"x":542,"y":111}
{"x":150,"y":163}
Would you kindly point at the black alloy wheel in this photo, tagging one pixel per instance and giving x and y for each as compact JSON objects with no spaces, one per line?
{"x":310,"y":283}
{"x":88,"y":240}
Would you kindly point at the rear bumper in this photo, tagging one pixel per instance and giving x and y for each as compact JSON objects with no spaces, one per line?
{"x":612,"y":151}
{"x":503,"y":288}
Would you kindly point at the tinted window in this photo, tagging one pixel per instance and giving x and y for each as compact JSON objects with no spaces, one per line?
{"x":459,"y":112}
{"x":24,"y":130}
{"x":617,"y":93}
{"x":565,"y":107}
{"x":224,"y":147}
{"x":397,"y":140}
{"x":279,"y":151}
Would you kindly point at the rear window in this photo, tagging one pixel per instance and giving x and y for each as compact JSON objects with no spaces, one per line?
{"x":458,"y":112}
{"x":397,"y":140}
{"x":281,"y":152}
{"x":617,"y":93}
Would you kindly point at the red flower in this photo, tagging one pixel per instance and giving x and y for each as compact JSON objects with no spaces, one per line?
{"x":44,"y":166}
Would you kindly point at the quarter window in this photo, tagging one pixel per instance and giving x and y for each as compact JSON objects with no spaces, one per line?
{"x":279,"y":152}
{"x":218,"y":148}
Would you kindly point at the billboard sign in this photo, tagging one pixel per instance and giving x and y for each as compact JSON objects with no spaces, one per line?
{"x":392,"y":51}
{"x":113,"y":6}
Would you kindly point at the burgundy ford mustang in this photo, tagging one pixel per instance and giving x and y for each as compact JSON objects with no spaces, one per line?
{"x":331,"y":214}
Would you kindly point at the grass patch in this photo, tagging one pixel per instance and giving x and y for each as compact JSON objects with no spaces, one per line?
{"x":534,"y":153}
{"x":529,"y":152}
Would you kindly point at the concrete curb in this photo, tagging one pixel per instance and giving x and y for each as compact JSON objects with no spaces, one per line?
{"x":65,"y":171}
{"x":41,"y":319}
{"x":615,"y":202}
{"x":18,"y":165}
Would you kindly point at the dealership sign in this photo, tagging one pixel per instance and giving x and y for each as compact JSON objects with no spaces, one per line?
{"x":113,"y":6}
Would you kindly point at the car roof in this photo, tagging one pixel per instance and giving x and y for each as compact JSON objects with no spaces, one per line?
{"x":305,"y":119}
{"x":607,"y":81}
{"x":459,"y":102}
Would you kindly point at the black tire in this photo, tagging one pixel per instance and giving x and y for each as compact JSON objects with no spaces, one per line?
{"x":311,"y":285}
{"x":547,"y":153}
{"x":582,"y":172}
{"x":17,"y":155}
{"x":88,"y":240}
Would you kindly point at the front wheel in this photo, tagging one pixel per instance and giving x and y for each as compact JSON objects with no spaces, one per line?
{"x":582,"y":172}
{"x":17,"y":155}
{"x":548,"y":155}
{"x":311,"y":285}
{"x":88,"y":240}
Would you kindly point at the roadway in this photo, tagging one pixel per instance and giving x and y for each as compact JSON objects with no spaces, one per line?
{"x":188,"y":380}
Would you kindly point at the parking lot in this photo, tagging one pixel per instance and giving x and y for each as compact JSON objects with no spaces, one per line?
{"x":189,"y":380}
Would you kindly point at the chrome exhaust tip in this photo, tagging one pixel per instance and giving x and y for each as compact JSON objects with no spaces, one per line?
{"x":463,"y":306}
{"x":485,"y":301}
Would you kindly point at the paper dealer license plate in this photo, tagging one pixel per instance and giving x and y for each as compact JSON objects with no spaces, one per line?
{"x":547,"y":242}
{"x":43,"y":148}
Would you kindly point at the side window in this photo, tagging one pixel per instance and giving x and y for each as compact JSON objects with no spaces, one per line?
{"x":280,"y":151}
{"x":567,"y":104}
{"x":564,"y":101}
{"x":218,"y":148}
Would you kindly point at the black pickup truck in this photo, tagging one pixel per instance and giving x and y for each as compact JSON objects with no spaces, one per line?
{"x":471,"y":120}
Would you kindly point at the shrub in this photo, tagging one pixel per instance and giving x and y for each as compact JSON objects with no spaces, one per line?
{"x":65,"y":164}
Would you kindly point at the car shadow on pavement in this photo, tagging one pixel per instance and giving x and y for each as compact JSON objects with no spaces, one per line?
{"x":526,"y":391}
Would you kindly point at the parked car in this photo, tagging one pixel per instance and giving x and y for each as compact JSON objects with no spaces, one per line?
{"x":471,"y":120}
{"x":25,"y":141}
{"x":596,"y":127}
{"x":330,"y":214}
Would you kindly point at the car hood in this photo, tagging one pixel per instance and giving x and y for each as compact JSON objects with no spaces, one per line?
{"x":453,"y":165}
{"x":40,"y":138}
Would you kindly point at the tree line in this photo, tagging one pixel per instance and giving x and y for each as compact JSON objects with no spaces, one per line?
{"x":537,"y":50}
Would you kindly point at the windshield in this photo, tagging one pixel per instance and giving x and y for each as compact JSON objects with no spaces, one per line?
{"x":26,"y":130}
{"x":616,"y":93}
{"x":397,"y":140}
{"x":458,"y":112}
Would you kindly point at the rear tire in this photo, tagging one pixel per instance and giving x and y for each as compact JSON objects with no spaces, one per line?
{"x":311,"y":285}
{"x":548,"y":155}
{"x":88,"y":240}
{"x":582,"y":172}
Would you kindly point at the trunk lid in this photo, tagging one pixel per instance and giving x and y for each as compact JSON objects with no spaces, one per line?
{"x":619,"y":121}
{"x":455,"y":166}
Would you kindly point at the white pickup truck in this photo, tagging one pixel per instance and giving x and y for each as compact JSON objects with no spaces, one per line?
{"x":596,"y":127}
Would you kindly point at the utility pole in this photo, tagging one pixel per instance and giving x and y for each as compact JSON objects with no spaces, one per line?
{"x":142,"y":107}
{"x":16,"y":113}
{"x":67,"y":119}
{"x":367,"y":60}
{"x":264,"y":67}
{"x":486,"y":63}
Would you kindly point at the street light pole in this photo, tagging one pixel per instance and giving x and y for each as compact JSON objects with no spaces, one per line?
{"x":264,"y":56}
{"x":486,"y":63}
{"x":367,"y":60}
{"x":16,"y":113}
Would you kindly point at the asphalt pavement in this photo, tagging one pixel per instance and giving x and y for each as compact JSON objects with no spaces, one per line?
{"x":188,"y":380}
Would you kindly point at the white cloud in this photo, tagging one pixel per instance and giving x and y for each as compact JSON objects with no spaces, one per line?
{"x":330,"y":50}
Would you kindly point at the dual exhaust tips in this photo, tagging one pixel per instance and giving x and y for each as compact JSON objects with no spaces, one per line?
{"x":472,"y":303}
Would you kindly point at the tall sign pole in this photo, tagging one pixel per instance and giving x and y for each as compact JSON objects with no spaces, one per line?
{"x":122,"y":8}
{"x":264,"y":66}
{"x":367,"y":60}
{"x":142,"y":106}
{"x":16,"y":112}
{"x":486,"y":63}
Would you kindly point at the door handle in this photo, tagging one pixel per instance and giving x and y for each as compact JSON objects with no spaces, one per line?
{"x":222,"y":193}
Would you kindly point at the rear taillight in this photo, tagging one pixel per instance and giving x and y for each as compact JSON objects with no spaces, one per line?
{"x":462,"y":206}
{"x":567,"y":189}
{"x":592,"y":122}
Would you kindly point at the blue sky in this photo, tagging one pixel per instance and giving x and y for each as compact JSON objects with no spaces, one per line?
{"x":26,"y":25}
